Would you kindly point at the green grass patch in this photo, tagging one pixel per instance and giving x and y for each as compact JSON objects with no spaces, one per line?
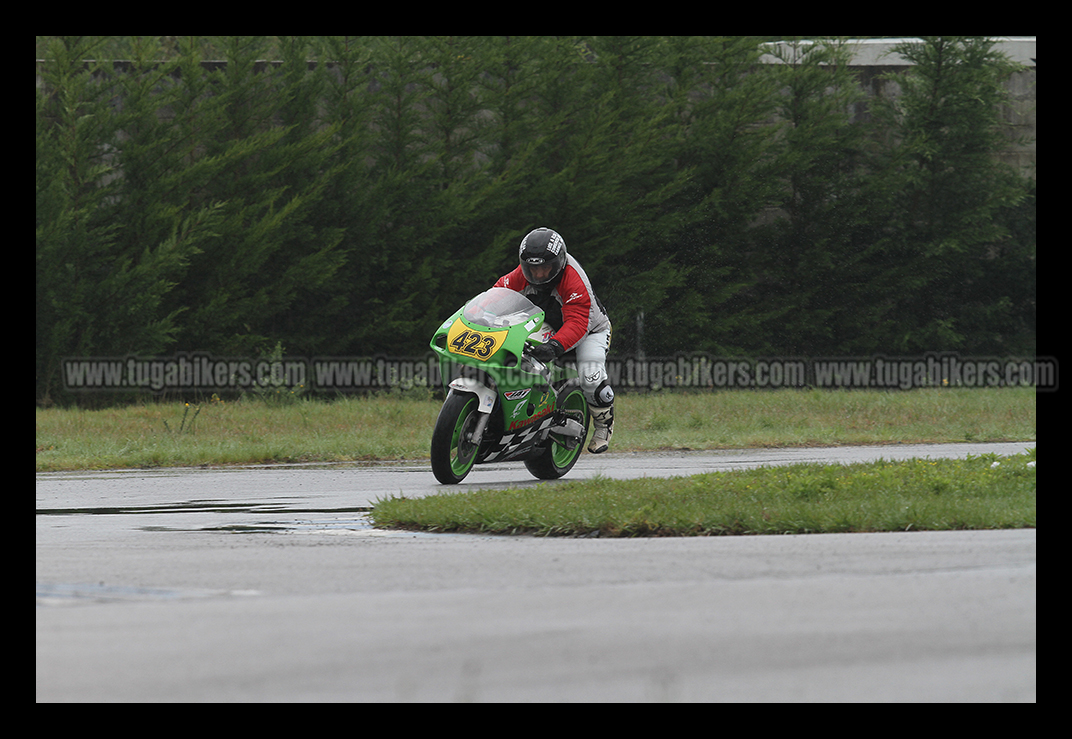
{"x":983,"y":492}
{"x":743,"y":419}
{"x":233,"y":433}
{"x":398,"y":426}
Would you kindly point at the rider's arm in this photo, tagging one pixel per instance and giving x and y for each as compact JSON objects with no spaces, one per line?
{"x":576,"y":309}
{"x":514,"y":280}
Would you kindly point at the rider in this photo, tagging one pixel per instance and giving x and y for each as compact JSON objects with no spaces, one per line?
{"x":554,"y":281}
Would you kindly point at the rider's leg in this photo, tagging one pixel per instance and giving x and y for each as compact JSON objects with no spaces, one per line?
{"x":592,"y":368}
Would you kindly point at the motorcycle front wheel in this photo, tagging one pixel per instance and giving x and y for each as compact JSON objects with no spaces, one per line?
{"x":453,"y":455}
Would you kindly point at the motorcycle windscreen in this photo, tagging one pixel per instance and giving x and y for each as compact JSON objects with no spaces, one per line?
{"x":500,"y":307}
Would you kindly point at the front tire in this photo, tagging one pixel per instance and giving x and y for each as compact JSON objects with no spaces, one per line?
{"x":452,"y":454}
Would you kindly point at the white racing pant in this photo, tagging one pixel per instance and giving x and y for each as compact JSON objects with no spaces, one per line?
{"x":591,"y":354}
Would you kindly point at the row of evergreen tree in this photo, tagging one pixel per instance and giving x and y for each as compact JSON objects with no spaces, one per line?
{"x":345,"y":198}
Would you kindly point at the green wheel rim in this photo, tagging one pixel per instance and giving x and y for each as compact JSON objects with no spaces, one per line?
{"x":560,"y":454}
{"x":463,"y":453}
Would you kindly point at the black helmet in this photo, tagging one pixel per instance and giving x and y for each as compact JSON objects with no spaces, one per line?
{"x":542,"y":256}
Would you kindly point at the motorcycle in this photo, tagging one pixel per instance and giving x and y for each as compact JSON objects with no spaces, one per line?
{"x":503,"y":404}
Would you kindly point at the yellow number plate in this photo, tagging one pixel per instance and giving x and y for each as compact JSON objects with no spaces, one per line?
{"x":467,"y":342}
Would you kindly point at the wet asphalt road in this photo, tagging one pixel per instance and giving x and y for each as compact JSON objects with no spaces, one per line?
{"x":267,"y":584}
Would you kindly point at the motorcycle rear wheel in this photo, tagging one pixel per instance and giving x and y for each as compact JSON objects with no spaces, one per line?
{"x":452,"y":454}
{"x":556,"y":459}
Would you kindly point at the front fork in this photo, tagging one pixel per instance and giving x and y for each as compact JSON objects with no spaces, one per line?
{"x":485,"y":403}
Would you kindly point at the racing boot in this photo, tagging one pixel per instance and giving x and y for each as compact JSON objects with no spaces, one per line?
{"x":602,"y":428}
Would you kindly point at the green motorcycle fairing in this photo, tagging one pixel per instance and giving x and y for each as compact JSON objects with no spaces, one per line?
{"x":484,"y":342}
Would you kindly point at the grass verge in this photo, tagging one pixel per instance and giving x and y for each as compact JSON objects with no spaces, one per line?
{"x":399,"y":426}
{"x":983,"y":492}
{"x":234,"y":433}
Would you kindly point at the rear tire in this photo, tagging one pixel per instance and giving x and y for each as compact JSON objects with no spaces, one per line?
{"x":452,"y":455}
{"x":556,"y":460}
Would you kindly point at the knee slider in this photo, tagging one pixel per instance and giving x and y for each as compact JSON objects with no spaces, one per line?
{"x":604,"y":394}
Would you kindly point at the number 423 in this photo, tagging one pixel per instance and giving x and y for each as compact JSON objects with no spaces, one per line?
{"x":467,"y":342}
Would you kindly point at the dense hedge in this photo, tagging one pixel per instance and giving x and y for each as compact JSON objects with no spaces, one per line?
{"x":344,"y":206}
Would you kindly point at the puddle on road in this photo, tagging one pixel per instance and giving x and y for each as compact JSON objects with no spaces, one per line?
{"x":343,"y":521}
{"x":339,"y":521}
{"x":195,"y":506}
{"x":335,"y":522}
{"x":349,"y":522}
{"x":335,"y":526}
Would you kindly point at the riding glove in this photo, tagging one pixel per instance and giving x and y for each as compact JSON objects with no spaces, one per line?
{"x":547,"y":352}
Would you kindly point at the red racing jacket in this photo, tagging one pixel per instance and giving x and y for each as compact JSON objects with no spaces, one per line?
{"x":582,"y":313}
